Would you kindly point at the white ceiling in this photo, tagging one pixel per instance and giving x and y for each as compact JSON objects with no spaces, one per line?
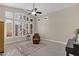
{"x":43,"y":7}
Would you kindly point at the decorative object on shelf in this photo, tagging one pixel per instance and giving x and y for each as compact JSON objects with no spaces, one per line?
{"x":28,"y":37}
{"x":16,"y":30}
{"x":77,"y":36}
{"x":24,"y":27}
{"x":38,"y":19}
{"x":20,"y":29}
{"x":31,"y":20}
{"x":31,"y":28}
{"x":24,"y":17}
{"x":20,"y":16}
{"x":27,"y":19}
{"x":17,"y":16}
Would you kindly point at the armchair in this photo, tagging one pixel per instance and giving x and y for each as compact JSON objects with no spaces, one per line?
{"x":36,"y":38}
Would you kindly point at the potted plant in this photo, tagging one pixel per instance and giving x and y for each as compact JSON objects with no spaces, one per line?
{"x":77,"y":36}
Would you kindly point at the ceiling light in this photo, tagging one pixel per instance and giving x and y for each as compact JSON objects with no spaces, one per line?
{"x":33,"y":13}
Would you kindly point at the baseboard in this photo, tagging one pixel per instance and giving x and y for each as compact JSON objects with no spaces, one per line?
{"x":11,"y":42}
{"x":57,"y":41}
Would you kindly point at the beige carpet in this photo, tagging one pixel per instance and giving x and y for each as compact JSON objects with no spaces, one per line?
{"x":29,"y":48}
{"x":45,"y":48}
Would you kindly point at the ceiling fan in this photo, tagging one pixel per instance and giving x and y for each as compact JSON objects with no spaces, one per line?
{"x":34,"y":11}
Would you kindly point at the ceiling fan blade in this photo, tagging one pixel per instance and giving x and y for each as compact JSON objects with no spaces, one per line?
{"x":29,"y":13}
{"x":29,"y":10}
{"x":39,"y":12}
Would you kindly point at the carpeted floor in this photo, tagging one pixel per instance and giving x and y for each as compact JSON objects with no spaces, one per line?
{"x":45,"y":48}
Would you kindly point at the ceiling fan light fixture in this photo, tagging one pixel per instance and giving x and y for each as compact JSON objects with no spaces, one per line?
{"x":33,"y":13}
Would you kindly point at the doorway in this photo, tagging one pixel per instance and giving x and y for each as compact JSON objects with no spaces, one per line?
{"x":1,"y":36}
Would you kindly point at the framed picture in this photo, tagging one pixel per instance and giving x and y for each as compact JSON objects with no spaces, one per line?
{"x":31,"y":20}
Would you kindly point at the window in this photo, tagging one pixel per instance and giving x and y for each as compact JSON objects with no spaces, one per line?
{"x":9,"y":28}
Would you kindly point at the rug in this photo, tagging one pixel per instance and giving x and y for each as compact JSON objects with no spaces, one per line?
{"x":29,"y":48}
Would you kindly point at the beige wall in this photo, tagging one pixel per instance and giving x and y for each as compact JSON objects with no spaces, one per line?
{"x":42,"y":27}
{"x":61,"y":24}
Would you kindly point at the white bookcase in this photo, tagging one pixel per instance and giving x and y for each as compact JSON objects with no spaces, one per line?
{"x":22,"y":25}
